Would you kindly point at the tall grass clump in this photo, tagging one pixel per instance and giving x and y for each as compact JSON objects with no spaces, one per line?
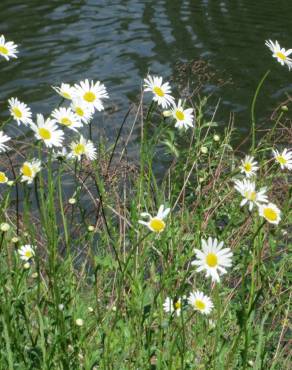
{"x":179,"y":260}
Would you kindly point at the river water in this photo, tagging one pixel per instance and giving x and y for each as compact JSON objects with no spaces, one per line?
{"x":119,"y":41}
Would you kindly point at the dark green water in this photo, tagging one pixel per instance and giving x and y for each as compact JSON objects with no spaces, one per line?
{"x":118,"y":41}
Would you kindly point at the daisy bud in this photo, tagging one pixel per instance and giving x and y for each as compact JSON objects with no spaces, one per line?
{"x":204,"y":150}
{"x":90,"y":309}
{"x":79,"y":322}
{"x":34,"y":275}
{"x":166,"y":113}
{"x":216,"y":138}
{"x":10,"y":183}
{"x":60,"y":307}
{"x":15,"y":240}
{"x":4,"y":227}
{"x":72,"y":201}
{"x":26,"y":266}
{"x":284,"y":108}
{"x":90,"y":228}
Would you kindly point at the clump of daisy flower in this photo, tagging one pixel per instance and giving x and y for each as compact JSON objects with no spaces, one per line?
{"x":66,"y":117}
{"x":284,"y":158}
{"x":250,"y":196}
{"x":270,"y":212}
{"x":212,"y":258}
{"x":29,"y":169}
{"x":3,"y":178}
{"x":156,"y":223}
{"x":47,"y":131}
{"x":65,"y":90}
{"x":26,"y":252}
{"x":19,"y":111}
{"x":83,"y":147}
{"x":184,"y":117}
{"x":161,"y":91}
{"x":3,"y":139}
{"x":171,"y":306}
{"x":249,"y":166}
{"x":91,"y":93}
{"x":200,"y":302}
{"x":281,"y":54}
{"x":8,"y":49}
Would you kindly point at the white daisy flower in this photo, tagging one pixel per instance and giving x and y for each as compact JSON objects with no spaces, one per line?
{"x":279,"y":53}
{"x":284,"y":158}
{"x":155,"y":223}
{"x":91,"y":93}
{"x":65,"y":90}
{"x":200,"y":302}
{"x":212,"y":258}
{"x":60,"y":154}
{"x":249,"y":166}
{"x":3,"y":178}
{"x":83,"y":147}
{"x":171,"y":306}
{"x":29,"y":169}
{"x":161,"y":91}
{"x":48,"y":131}
{"x":66,"y":117}
{"x":19,"y":111}
{"x":82,"y":110}
{"x":7,"y":49}
{"x":3,"y":139}
{"x":270,"y":212}
{"x":184,"y":117}
{"x":250,"y":196}
{"x":26,"y":252}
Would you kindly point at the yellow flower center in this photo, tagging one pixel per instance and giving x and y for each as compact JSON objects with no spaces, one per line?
{"x":200,"y":305}
{"x":79,"y":111}
{"x":281,"y":55}
{"x":177,"y":305}
{"x":66,"y":121}
{"x":4,"y":50}
{"x":158,"y":91}
{"x":247,"y":166}
{"x":65,"y":95}
{"x":79,"y":149}
{"x":270,"y":214}
{"x":17,"y":112}
{"x":44,"y":133}
{"x":157,"y":225}
{"x":281,"y":159}
{"x":180,"y":115}
{"x":251,"y":195}
{"x":28,"y":253}
{"x":26,"y":170}
{"x":3,"y":178}
{"x":89,"y":96}
{"x":211,"y":260}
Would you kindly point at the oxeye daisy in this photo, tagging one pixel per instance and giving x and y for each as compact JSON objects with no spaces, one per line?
{"x":83,"y":147}
{"x":3,"y":139}
{"x":284,"y":158}
{"x":47,"y":131}
{"x":250,"y":196}
{"x":249,"y":166}
{"x":91,"y":93}
{"x":184,"y":117}
{"x":65,"y":90}
{"x":3,"y":178}
{"x":66,"y":117}
{"x":60,"y":154}
{"x":29,"y":169}
{"x":19,"y":111}
{"x":161,"y":91}
{"x":26,"y":252}
{"x":155,"y":223}
{"x":171,"y":306}
{"x":270,"y":212}
{"x":82,"y":110}
{"x":279,"y":53}
{"x":7,"y":49}
{"x":200,"y":302}
{"x":212,"y":258}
